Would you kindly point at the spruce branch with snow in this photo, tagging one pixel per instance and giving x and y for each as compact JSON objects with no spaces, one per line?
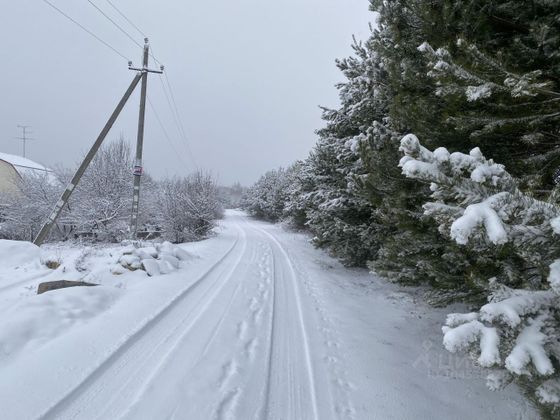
{"x":479,"y":204}
{"x":508,"y":99}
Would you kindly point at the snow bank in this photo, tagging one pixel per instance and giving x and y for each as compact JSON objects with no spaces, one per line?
{"x":40,"y":318}
{"x":16,"y":253}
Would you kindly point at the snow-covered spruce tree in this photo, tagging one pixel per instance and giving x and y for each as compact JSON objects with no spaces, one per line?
{"x":324,"y":193}
{"x":338,"y":209}
{"x":498,"y":80}
{"x":420,"y":102}
{"x":267,"y":198}
{"x":413,"y":105}
{"x":480,"y":206}
{"x":260,"y":199}
{"x":188,"y":207}
{"x":338,"y":217}
{"x":383,"y":74}
{"x":357,"y":155}
{"x":298,"y":191}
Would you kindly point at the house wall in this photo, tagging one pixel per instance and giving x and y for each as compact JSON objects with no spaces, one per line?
{"x":8,"y":178}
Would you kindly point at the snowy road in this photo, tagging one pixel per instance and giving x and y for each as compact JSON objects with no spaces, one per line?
{"x":261,"y":327}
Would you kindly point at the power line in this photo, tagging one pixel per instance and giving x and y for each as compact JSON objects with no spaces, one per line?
{"x":86,"y":30}
{"x":115,"y":23}
{"x":127,"y":19}
{"x":142,"y":33}
{"x":176,"y":119}
{"x":170,"y":97}
{"x":182,"y":127}
{"x":175,"y":104}
{"x":165,"y":133}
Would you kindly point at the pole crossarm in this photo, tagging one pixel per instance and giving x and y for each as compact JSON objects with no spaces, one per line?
{"x":43,"y":233}
{"x":143,"y":70}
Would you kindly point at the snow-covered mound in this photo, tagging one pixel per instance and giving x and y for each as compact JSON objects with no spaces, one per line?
{"x":40,"y":318}
{"x":154,"y":259}
{"x":16,"y":253}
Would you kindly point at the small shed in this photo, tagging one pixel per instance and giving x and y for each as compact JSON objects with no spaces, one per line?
{"x":14,"y":167}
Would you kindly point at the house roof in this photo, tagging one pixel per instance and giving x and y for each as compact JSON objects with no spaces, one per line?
{"x":23,"y":165}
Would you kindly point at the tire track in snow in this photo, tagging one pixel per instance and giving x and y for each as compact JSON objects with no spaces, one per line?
{"x":266,"y":404}
{"x":223,"y":317}
{"x":202,"y":311}
{"x":59,"y":409}
{"x":294,"y":394}
{"x":334,"y":357}
{"x":236,"y":386}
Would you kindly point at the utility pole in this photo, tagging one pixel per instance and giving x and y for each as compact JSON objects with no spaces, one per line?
{"x":138,"y":168}
{"x":140,"y":75}
{"x":24,"y":137}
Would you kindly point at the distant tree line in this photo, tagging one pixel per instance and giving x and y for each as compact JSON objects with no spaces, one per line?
{"x":176,"y":209}
{"x":480,"y":76}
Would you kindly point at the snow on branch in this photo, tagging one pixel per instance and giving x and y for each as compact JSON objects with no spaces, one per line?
{"x":479,"y":214}
{"x":464,"y":335}
{"x":478,"y":204}
{"x":511,"y":310}
{"x":477,"y":85}
{"x":441,"y":167}
{"x":529,"y":347}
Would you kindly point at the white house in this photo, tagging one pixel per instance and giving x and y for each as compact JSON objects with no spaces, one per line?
{"x":14,"y":167}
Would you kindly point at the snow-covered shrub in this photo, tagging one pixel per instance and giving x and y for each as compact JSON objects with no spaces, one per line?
{"x":23,"y":212}
{"x":101,"y":205}
{"x":188,"y":207}
{"x":479,"y":205}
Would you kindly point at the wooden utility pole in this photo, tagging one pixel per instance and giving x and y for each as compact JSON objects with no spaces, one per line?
{"x":24,"y":137}
{"x":138,"y":168}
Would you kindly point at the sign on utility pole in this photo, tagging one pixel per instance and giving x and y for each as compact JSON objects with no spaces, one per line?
{"x":141,"y":74}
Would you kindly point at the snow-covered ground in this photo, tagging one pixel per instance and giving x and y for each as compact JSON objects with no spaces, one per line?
{"x":257,"y":325}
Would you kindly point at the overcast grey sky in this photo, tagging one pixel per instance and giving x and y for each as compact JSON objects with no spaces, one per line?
{"x":248,"y":76}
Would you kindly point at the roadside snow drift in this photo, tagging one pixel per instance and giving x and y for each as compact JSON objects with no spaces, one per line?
{"x":40,"y":318}
{"x":16,"y":253}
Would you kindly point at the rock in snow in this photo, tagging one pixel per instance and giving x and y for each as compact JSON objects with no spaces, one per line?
{"x":60,"y":284}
